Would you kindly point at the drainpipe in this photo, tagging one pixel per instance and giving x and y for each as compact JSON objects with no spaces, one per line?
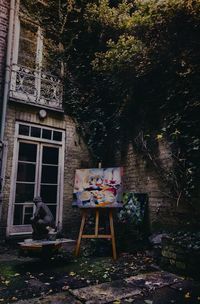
{"x":5,"y":96}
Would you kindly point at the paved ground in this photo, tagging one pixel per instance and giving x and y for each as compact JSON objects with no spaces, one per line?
{"x":152,"y":288}
{"x":133,"y":278}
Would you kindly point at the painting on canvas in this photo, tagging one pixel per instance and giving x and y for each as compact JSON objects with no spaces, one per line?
{"x":98,"y":187}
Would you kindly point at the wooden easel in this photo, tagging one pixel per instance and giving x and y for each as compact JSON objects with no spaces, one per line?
{"x":111,"y":236}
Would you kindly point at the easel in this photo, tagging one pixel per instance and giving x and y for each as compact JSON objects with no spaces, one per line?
{"x":96,"y":235}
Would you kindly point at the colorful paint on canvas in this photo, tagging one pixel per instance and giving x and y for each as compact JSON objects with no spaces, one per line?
{"x":98,"y":187}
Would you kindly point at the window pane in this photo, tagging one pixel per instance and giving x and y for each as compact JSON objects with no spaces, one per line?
{"x":51,"y":63}
{"x":49,"y":193}
{"x":18,"y":215}
{"x":53,"y":210}
{"x":27,"y":45}
{"x":23,"y":214}
{"x":57,"y":136}
{"x":27,"y":152}
{"x":50,"y":155}
{"x":24,"y":130}
{"x":49,"y":174}
{"x":35,"y":132}
{"x":24,"y":193}
{"x":26,"y":172}
{"x":46,"y":134}
{"x":28,"y":213}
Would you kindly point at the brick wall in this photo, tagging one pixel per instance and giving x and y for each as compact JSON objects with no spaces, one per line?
{"x":141,"y":176}
{"x":76,"y":156}
{"x":4,"y":17}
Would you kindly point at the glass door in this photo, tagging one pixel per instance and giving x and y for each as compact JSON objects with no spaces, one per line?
{"x":37,"y":173}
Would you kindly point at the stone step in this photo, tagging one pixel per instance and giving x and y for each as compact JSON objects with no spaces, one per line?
{"x":121,"y":289}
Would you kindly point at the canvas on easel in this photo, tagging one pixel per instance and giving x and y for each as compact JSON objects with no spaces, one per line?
{"x":98,"y":187}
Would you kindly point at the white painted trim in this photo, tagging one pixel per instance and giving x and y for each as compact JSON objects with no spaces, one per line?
{"x":19,"y":233}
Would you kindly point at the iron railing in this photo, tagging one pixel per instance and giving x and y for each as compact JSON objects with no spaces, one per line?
{"x":36,"y":87}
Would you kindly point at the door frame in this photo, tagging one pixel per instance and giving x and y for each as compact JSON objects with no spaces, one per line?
{"x":27,"y":229}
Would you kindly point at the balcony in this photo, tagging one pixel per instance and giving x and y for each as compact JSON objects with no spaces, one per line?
{"x":36,"y":87}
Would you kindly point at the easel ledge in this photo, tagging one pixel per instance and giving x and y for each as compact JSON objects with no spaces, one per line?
{"x":111,"y":236}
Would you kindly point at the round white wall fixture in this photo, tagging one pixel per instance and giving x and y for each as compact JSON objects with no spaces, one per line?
{"x":42,"y":114}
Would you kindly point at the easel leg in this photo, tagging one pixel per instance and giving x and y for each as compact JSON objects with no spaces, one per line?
{"x":112,"y":234}
{"x":96,"y":222}
{"x":77,"y":251}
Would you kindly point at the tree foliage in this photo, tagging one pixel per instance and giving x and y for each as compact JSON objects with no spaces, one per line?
{"x":132,"y":71}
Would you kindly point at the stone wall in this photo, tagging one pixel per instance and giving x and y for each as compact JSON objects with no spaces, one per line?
{"x":181,"y":253}
{"x":76,"y":156}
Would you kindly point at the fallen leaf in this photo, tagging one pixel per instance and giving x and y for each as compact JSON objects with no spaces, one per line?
{"x":47,"y":283}
{"x":50,"y":290}
{"x":159,"y":136}
{"x":72,"y":273}
{"x":16,"y":274}
{"x":14,"y":299}
{"x":129,"y":300}
{"x":31,"y":276}
{"x":148,"y":301}
{"x":187,"y":295}
{"x":66,"y":287}
{"x":6,"y":282}
{"x":117,"y":302}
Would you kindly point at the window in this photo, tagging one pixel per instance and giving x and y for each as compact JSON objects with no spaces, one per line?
{"x":40,"y":132}
{"x":36,"y":50}
{"x":36,"y":69}
{"x":28,"y":45}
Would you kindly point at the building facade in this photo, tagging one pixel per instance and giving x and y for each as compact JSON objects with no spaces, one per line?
{"x":41,"y":148}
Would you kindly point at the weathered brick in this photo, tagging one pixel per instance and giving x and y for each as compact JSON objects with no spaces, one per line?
{"x":73,"y":159}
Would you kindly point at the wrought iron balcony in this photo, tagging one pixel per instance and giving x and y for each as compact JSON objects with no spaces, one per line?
{"x":36,"y":87}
